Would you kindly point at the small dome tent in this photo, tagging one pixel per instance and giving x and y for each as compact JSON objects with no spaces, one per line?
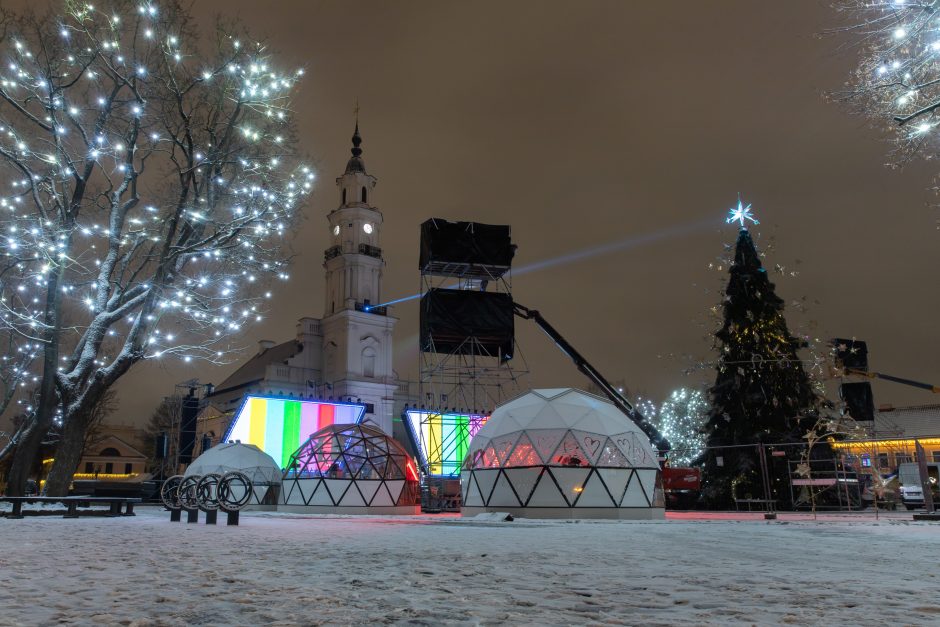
{"x":350,"y":469}
{"x":257,"y":465}
{"x":561,"y":453}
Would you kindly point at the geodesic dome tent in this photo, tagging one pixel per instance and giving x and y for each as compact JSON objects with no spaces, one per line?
{"x":561,"y":453}
{"x":351,"y":468}
{"x":257,"y":465}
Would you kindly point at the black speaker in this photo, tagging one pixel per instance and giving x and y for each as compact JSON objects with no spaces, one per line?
{"x":161,"y":446}
{"x":188,"y":427}
{"x":467,"y":322}
{"x":851,"y":354}
{"x":465,"y":248}
{"x":859,"y":402}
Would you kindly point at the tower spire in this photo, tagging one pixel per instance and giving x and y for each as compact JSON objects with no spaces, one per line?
{"x":355,"y":164}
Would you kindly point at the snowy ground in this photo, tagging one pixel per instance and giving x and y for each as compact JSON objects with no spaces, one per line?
{"x":278,"y":569}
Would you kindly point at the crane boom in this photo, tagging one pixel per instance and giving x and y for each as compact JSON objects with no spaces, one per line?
{"x":887,"y":377}
{"x":582,"y":364}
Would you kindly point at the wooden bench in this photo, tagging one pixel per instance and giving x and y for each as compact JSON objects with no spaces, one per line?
{"x":765,"y":503}
{"x":72,"y":503}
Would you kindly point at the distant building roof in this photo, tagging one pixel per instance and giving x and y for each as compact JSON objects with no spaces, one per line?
{"x":253,"y":370}
{"x":918,"y":421}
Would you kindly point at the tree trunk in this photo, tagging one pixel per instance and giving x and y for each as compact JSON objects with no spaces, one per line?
{"x":68,"y":454}
{"x":28,"y":446}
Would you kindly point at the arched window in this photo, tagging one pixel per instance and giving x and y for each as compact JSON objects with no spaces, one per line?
{"x":368,"y":362}
{"x":363,"y":194}
{"x":110,"y":452}
{"x":344,"y":195}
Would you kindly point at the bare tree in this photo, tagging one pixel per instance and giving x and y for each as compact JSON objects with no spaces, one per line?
{"x":153,"y":180}
{"x":897,"y":82}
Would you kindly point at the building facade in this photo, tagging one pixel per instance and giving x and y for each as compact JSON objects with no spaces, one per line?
{"x":346,"y":354}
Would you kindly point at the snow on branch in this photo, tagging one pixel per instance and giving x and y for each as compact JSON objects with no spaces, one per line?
{"x":149,"y":184}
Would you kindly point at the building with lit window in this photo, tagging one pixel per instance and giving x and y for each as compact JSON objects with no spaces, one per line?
{"x":892,"y":438}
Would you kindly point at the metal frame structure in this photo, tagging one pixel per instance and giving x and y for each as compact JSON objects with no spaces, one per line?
{"x":468,"y":379}
{"x":345,"y":465}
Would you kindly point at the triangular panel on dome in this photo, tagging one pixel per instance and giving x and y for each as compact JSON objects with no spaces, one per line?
{"x":591,"y":443}
{"x":368,"y":488}
{"x":353,"y":498}
{"x":523,"y":454}
{"x":571,"y":481}
{"x":337,"y":488}
{"x":485,"y":480}
{"x":290,"y":494}
{"x":472,"y":496}
{"x":634,"y":497}
{"x":382,"y":498}
{"x":611,"y":455}
{"x":648,"y":481}
{"x":503,"y":446}
{"x":546,"y":441}
{"x":631,"y":446}
{"x":546,"y":494}
{"x":306,"y":488}
{"x":321,"y":496}
{"x":523,"y":480}
{"x":616,"y":481}
{"x":502,"y":495}
{"x":594,"y":493}
{"x":394,"y":488}
{"x":569,"y":453}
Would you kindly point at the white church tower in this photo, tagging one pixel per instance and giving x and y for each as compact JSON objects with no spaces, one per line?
{"x":357,"y":334}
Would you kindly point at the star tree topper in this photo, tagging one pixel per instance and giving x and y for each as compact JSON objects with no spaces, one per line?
{"x":741,"y":213}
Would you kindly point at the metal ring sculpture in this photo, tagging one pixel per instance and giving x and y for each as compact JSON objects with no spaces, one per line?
{"x":169,"y":492}
{"x":187,"y":492}
{"x":207,"y":492}
{"x":234,"y":491}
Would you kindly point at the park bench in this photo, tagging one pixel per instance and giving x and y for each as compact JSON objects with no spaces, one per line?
{"x":72,"y":503}
{"x":766,"y":504}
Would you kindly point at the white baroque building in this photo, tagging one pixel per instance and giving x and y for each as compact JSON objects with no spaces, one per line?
{"x":346,"y":354}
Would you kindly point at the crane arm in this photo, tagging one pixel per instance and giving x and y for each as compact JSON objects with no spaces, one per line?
{"x":887,"y":377}
{"x":582,"y":364}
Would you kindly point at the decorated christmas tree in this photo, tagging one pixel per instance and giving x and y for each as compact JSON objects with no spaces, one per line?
{"x":762,"y":394}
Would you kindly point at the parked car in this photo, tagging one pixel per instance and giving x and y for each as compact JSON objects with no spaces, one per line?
{"x":912,"y":492}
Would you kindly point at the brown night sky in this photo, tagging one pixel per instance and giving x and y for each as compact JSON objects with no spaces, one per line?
{"x":590,"y":123}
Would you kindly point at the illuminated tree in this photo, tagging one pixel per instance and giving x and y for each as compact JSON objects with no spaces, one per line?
{"x":897,"y":83}
{"x":762,"y":394}
{"x":681,"y":419}
{"x":150,"y":181}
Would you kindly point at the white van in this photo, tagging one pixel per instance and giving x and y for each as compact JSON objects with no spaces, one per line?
{"x":912,"y":493}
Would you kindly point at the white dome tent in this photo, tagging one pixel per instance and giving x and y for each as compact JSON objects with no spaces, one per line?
{"x":562,"y":453}
{"x":257,"y":465}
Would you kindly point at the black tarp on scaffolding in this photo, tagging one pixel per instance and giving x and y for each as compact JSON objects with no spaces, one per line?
{"x":467,"y":322}
{"x":465,"y":249}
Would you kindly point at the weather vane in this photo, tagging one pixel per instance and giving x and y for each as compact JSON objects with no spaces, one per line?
{"x":741,"y":213}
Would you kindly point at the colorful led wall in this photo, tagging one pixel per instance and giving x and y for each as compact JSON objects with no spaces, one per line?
{"x":279,"y":426}
{"x":442,"y":440}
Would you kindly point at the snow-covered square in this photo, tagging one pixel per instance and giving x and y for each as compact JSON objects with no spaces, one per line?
{"x":279,"y":569}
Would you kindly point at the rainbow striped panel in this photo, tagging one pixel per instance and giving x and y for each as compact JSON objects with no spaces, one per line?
{"x":278,"y":426}
{"x":442,"y":439}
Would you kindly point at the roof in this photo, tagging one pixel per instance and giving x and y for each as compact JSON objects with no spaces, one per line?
{"x":253,"y":369}
{"x":559,"y":408}
{"x":916,"y":421}
{"x":232,"y":456}
{"x":108,"y":441}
